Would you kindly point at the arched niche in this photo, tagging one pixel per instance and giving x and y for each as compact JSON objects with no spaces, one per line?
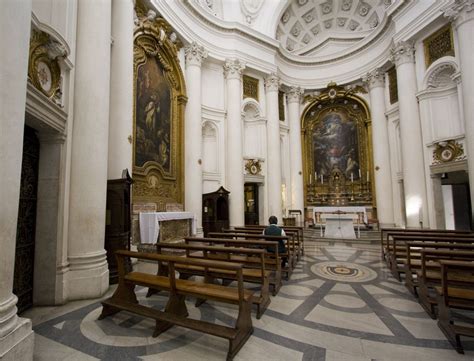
{"x":210,"y":148}
{"x":254,"y":129}
{"x":440,"y":110}
{"x":159,"y":101}
{"x":337,"y":149}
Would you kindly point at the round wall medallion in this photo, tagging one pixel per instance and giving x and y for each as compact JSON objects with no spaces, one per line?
{"x":44,"y":76}
{"x":447,"y":154}
{"x":344,"y":271}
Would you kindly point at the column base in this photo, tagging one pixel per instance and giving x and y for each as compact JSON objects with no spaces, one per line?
{"x":88,"y":276}
{"x":18,"y":344}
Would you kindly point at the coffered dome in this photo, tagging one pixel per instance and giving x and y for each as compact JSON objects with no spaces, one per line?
{"x":314,"y":27}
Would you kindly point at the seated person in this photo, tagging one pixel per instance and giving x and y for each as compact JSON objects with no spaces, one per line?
{"x":274,"y":230}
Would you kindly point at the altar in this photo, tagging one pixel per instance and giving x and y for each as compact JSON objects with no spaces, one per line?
{"x":339,"y":221}
{"x":153,"y":224}
{"x":340,"y":225}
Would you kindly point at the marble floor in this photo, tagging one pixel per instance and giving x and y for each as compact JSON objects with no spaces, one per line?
{"x":340,"y":304}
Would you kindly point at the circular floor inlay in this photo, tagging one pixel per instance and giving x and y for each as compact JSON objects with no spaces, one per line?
{"x":344,"y":271}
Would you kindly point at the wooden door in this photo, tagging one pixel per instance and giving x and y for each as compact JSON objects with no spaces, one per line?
{"x":251,"y":203}
{"x":26,"y":227}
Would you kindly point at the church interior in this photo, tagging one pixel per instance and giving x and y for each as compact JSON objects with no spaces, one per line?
{"x":148,"y":145}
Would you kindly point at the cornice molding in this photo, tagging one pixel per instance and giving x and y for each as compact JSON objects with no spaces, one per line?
{"x":460,"y":12}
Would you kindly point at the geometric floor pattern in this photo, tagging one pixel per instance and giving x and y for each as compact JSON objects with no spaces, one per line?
{"x":340,"y":304}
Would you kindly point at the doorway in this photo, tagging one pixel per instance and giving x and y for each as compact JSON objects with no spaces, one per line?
{"x":457,"y":200}
{"x":251,"y":203}
{"x":26,"y":226}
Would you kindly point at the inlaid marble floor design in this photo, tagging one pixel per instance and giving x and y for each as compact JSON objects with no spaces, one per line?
{"x":340,"y":304}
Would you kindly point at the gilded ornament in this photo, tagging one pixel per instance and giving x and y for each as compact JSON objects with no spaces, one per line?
{"x":448,"y":151}
{"x":253,"y":166}
{"x":439,"y":44}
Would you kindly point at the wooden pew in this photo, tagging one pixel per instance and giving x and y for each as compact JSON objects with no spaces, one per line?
{"x":290,"y":246}
{"x":429,"y":274}
{"x":255,"y":229}
{"x":256,"y":274}
{"x":396,"y":251}
{"x":451,"y":297}
{"x":175,"y":312}
{"x":272,"y":260}
{"x":412,"y":263}
{"x":385,"y":234}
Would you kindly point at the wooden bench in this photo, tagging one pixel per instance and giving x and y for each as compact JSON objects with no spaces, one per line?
{"x":385,"y":234}
{"x":450,"y":297}
{"x":175,"y":312}
{"x":292,"y":231}
{"x":429,"y":274}
{"x":289,"y":246}
{"x":412,"y":263}
{"x":257,"y":274}
{"x":272,"y":260}
{"x":396,"y":250}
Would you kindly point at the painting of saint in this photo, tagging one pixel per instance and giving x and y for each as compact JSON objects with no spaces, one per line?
{"x":335,"y":145}
{"x":153,"y":116}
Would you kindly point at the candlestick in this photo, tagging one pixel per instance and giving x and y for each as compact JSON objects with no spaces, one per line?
{"x":322,"y":179}
{"x":360,"y":176}
{"x":367,"y":176}
{"x":310,"y":179}
{"x":352,"y":177}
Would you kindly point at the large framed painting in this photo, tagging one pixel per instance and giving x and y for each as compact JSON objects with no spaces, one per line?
{"x":335,"y":144}
{"x":153,"y":116}
{"x":159,"y":101}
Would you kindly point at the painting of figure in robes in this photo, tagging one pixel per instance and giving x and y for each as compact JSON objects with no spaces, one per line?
{"x":335,"y":144}
{"x":153,"y":116}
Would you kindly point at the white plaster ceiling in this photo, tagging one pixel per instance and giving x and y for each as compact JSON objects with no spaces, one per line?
{"x":308,"y":27}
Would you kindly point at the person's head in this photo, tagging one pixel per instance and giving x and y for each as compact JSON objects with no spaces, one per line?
{"x":273,"y":220}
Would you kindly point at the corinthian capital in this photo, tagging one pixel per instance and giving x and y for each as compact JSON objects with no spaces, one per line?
{"x":194,"y":54}
{"x":294,"y":95}
{"x":233,"y":68}
{"x":272,"y":83}
{"x":374,"y":78}
{"x":402,"y":52}
{"x":460,"y":11}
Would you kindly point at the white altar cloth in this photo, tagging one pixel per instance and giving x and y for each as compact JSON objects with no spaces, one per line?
{"x":339,"y":225}
{"x":150,"y":223}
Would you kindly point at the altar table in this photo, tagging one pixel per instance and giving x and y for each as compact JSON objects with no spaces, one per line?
{"x":150,"y":223}
{"x":339,"y":225}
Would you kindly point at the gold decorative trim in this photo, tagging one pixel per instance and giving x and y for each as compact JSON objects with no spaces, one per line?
{"x":44,"y":71}
{"x":253,"y":166}
{"x":157,"y":180}
{"x":250,"y":86}
{"x":448,"y":151}
{"x":439,"y":44}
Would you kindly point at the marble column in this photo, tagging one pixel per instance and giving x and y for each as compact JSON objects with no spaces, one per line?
{"x":383,"y":182}
{"x":195,"y":54}
{"x":296,"y":166}
{"x":88,"y":275}
{"x":16,"y":336}
{"x":462,"y":15}
{"x":273,"y":180}
{"x":410,"y":132}
{"x":234,"y":166}
{"x":121,"y":90}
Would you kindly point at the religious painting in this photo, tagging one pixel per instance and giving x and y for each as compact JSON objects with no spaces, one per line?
{"x":153,"y":115}
{"x":335,"y":146}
